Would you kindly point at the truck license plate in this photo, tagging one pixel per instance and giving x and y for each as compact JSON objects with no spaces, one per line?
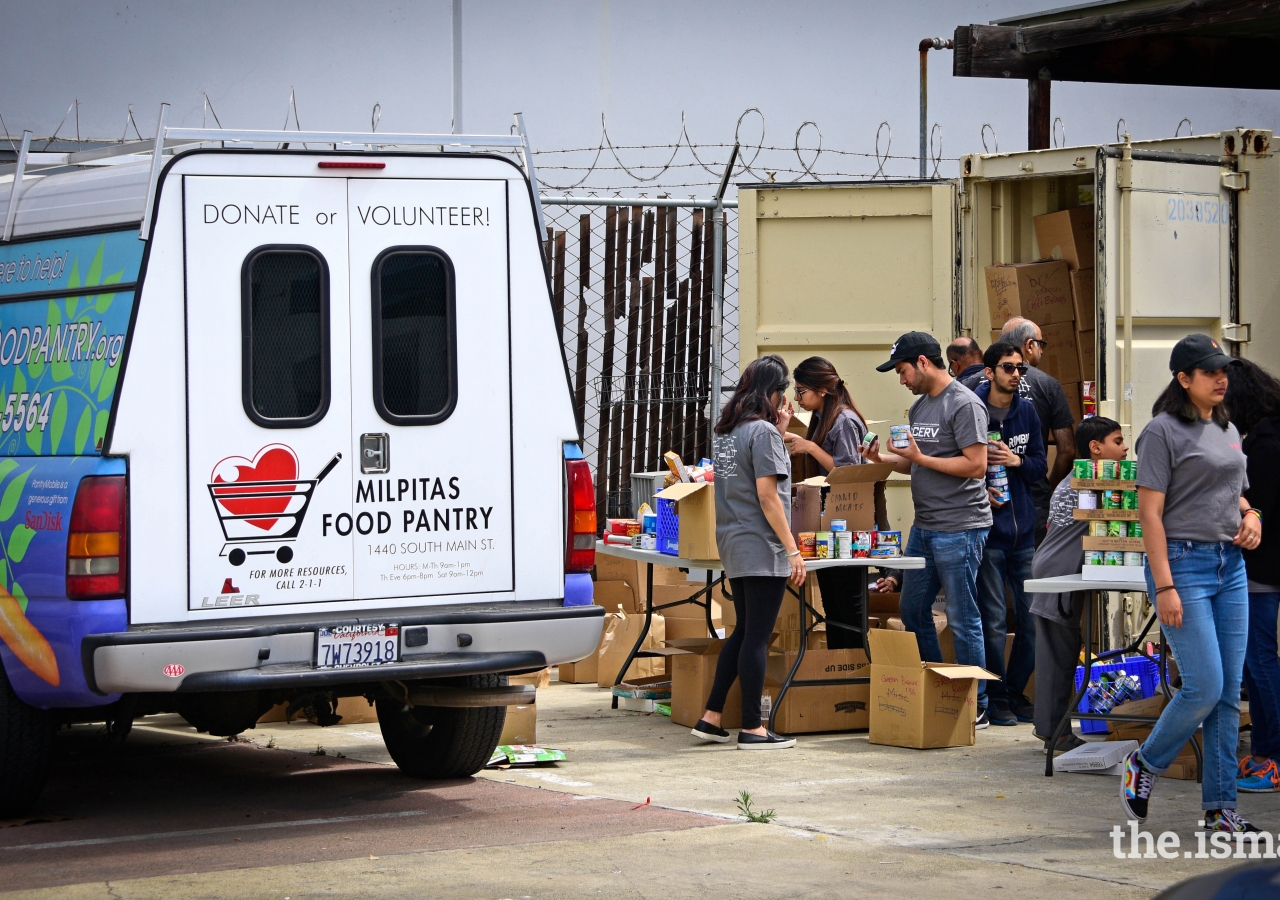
{"x":357,"y":646}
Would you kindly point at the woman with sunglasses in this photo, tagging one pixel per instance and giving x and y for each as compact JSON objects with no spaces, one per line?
{"x":1195,"y":523}
{"x":757,"y":550}
{"x":836,"y":429}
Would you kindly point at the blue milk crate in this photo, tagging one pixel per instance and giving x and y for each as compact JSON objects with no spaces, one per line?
{"x":1146,"y":671}
{"x":668,"y":528}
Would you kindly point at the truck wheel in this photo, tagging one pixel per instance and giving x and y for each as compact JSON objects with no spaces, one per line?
{"x":222,"y":714}
{"x":26,"y":736}
{"x":443,"y":742}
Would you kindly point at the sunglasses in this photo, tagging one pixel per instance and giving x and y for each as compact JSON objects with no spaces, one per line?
{"x":1044,"y":345}
{"x":1010,"y":368}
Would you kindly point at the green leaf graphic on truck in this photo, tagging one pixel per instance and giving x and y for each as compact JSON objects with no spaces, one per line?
{"x":60,"y":357}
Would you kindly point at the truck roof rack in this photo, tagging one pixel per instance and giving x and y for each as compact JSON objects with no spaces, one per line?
{"x":173,"y":140}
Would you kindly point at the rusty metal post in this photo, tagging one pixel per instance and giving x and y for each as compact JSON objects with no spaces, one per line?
{"x":925,"y":46}
{"x":1039,"y":122}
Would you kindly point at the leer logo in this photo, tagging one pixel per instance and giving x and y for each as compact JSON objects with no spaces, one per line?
{"x":175,"y":670}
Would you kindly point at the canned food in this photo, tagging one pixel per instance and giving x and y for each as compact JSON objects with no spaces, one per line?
{"x":844,"y":544}
{"x":1117,"y":529}
{"x":1129,"y":500}
{"x":1107,"y":469}
{"x":822,"y":543}
{"x":1098,"y":528}
{"x":1113,"y":558}
{"x":869,"y":438}
{"x":898,"y":436}
{"x":1093,"y":557}
{"x":1135,"y":529}
{"x":808,"y":544}
{"x":887,"y":538}
{"x":1082,"y":468}
{"x":884,"y":552}
{"x":862,"y":540}
{"x":1087,"y":391}
{"x":1128,"y":470}
{"x":1086,"y":500}
{"x":1112,"y":499}
{"x":838,"y":525}
{"x":1001,"y":482}
{"x":1001,"y":493}
{"x":1133,"y":558}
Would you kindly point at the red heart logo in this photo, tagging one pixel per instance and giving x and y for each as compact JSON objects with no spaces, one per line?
{"x":275,"y":463}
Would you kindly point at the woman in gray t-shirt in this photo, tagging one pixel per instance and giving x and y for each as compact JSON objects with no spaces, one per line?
{"x":835,"y":439}
{"x":753,"y":533}
{"x":1191,"y":477}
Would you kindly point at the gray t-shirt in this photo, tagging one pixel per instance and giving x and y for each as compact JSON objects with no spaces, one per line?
{"x":1200,"y":469}
{"x":748,"y":545}
{"x":943,"y":426}
{"x":844,"y":440}
{"x":1060,"y":553}
{"x":998,"y":413}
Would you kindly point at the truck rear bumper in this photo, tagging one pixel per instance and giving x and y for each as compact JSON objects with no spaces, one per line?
{"x":450,"y":641}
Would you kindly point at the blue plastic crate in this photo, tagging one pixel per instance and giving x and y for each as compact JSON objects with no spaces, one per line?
{"x":668,"y":528}
{"x":1146,"y":671}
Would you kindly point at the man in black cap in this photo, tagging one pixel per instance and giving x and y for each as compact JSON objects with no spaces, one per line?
{"x":946,"y":456}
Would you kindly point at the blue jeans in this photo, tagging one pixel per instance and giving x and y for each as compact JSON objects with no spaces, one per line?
{"x":1012,"y":568}
{"x":1262,"y":675}
{"x":1210,"y":649}
{"x":951,"y":563}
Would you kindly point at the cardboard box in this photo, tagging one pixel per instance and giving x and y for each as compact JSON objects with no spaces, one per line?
{"x":1082,"y":296}
{"x":1067,"y":235}
{"x":852,"y":495}
{"x":1062,"y":357}
{"x":945,"y":638}
{"x":695,"y":504}
{"x":837,"y":707}
{"x":1073,"y":400}
{"x":354,"y":711}
{"x":621,"y":632}
{"x":692,"y":673}
{"x":521,"y":726}
{"x":1040,"y":291}
{"x":688,"y":620}
{"x":918,"y":704}
{"x":806,"y":508}
{"x":539,"y":679}
{"x":584,"y":671}
{"x":1087,"y":347}
{"x":613,"y":595}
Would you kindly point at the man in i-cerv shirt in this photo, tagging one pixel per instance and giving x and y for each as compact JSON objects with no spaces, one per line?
{"x":946,"y":456}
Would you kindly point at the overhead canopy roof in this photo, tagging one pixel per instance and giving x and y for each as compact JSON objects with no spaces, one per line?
{"x":1195,"y":43}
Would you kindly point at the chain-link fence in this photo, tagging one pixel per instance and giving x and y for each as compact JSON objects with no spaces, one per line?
{"x":633,"y":287}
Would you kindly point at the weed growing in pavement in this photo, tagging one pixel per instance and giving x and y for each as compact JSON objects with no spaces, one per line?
{"x":764,"y":817}
{"x":271,"y":742}
{"x":320,"y":751}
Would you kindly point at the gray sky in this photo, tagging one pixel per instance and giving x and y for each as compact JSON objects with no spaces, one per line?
{"x":845,"y":65}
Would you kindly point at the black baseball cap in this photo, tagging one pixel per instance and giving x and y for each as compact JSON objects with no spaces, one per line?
{"x":911,"y":346}
{"x":1198,"y":351}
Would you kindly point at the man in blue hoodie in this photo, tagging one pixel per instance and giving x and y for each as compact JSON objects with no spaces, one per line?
{"x":1006,"y":560}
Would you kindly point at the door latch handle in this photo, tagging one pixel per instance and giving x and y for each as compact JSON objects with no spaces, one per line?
{"x":375,"y":453}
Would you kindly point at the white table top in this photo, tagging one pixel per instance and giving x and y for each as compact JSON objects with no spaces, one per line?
{"x":1064,"y":584}
{"x":662,"y":559}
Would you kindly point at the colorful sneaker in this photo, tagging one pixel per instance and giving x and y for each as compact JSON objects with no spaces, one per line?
{"x":1136,"y":784}
{"x":1227,"y":820}
{"x":1259,"y":779}
{"x":1248,"y":765}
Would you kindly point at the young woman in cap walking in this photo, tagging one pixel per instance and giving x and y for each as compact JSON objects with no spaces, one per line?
{"x":757,"y":550}
{"x":1195,"y":523}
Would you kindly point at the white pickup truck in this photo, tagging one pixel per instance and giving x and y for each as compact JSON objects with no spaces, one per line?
{"x":282,"y":425}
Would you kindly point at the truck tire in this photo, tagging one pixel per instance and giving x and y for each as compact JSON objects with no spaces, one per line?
{"x":26,"y":736}
{"x":439,"y":742}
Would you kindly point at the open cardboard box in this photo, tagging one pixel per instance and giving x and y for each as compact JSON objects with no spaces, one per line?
{"x":695,"y":504}
{"x":850,"y":496}
{"x":1040,"y":291}
{"x":919,"y":704}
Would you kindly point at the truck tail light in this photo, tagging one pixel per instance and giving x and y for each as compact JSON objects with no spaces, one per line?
{"x":580,"y":550}
{"x":96,"y":552}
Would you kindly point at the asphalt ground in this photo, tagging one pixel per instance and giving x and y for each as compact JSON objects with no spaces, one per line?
{"x":638,"y":809}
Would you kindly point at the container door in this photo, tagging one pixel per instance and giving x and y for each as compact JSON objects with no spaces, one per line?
{"x":1167,"y":257}
{"x":841,"y":271}
{"x":268,"y":391}
{"x":431,"y":390}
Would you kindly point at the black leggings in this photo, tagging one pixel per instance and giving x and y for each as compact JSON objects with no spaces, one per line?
{"x":843,"y":598}
{"x":756,"y":600}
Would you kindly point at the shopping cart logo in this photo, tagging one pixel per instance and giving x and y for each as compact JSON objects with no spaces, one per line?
{"x":261,"y":502}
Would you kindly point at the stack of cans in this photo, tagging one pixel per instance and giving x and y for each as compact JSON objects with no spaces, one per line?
{"x":997,"y":477}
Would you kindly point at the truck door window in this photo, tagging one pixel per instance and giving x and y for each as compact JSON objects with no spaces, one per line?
{"x":414,"y":365}
{"x":285,"y":328}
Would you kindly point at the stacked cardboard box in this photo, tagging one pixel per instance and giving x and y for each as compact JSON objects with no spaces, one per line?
{"x":1057,"y":293}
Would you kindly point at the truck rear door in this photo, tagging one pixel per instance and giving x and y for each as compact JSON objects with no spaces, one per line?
{"x":268,"y":391}
{"x":431,"y":430}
